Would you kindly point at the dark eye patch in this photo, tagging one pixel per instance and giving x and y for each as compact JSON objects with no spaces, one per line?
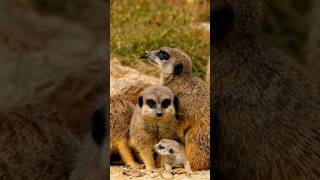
{"x":163,"y":55}
{"x":165,"y":103}
{"x":151,"y":103}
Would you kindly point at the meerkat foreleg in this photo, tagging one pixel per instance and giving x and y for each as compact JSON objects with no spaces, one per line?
{"x":126,"y":155}
{"x":187,"y":167}
{"x":183,"y":126}
{"x":147,"y":158}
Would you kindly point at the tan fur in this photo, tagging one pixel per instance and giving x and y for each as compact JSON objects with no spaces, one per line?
{"x":208,"y":72}
{"x":34,"y":150}
{"x":194,"y":98}
{"x":146,"y":129}
{"x":175,"y":158}
{"x":121,"y":110}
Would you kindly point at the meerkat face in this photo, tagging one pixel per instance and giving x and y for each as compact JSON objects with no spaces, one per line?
{"x":171,"y":61}
{"x":158,"y":104}
{"x":166,"y":147}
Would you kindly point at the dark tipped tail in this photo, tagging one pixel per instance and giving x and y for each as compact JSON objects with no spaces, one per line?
{"x":99,"y":125}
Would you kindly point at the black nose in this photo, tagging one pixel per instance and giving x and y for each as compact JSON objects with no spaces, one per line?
{"x":159,"y":114}
{"x":146,"y":54}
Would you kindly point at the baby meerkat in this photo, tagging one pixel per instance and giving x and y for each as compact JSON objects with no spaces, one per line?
{"x":194,"y":98}
{"x":154,"y":118}
{"x":121,"y":110}
{"x":172,"y":154}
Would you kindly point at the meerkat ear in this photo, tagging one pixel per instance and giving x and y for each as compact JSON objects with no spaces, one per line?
{"x":177,"y":69}
{"x":140,"y":101}
{"x":176,"y":106}
{"x":171,"y":151}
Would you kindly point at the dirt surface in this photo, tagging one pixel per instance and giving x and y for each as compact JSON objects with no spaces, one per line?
{"x":117,"y":174}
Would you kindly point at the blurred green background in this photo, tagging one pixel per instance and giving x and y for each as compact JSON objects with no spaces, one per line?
{"x":139,"y":25}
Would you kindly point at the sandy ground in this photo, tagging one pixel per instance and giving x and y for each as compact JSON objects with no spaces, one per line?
{"x":117,"y":174}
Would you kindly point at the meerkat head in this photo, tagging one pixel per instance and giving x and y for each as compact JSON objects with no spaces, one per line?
{"x":171,"y":61}
{"x":158,"y":104}
{"x":166,"y":147}
{"x":241,"y":18}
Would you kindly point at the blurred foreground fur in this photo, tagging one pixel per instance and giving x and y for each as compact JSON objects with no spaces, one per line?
{"x":314,"y":37}
{"x":267,"y":109}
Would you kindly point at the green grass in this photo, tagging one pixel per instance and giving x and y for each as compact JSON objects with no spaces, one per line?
{"x":139,"y":25}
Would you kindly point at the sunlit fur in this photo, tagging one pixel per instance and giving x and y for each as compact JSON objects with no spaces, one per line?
{"x":146,"y":128}
{"x":194,"y":97}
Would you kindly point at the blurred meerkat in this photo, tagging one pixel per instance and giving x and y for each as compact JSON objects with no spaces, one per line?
{"x":91,"y":160}
{"x":154,"y":118}
{"x":193,"y":94}
{"x":267,"y":124}
{"x":121,"y":110}
{"x":172,"y":155}
{"x":35,"y":150}
{"x":314,"y":37}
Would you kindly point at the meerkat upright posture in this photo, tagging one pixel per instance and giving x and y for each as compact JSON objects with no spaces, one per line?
{"x":154,"y":118}
{"x":194,"y":99}
{"x":173,"y":155}
{"x":121,"y":110}
{"x":268,"y":111}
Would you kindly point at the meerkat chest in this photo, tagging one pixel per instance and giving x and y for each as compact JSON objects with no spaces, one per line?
{"x":176,"y":160}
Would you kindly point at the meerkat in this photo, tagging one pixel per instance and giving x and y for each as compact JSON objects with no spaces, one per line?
{"x":267,"y":111}
{"x":173,"y":155}
{"x":121,"y":110}
{"x":92,"y":158}
{"x":154,"y":118}
{"x":35,"y":150}
{"x":194,"y":98}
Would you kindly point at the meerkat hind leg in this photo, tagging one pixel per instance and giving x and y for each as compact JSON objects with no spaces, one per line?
{"x":126,"y":155}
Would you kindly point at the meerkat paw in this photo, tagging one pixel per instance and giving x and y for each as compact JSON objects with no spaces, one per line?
{"x":167,"y":175}
{"x":179,"y":171}
{"x":135,"y":165}
{"x":151,"y":168}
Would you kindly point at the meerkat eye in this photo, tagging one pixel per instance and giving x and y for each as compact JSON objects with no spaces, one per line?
{"x":163,"y":55}
{"x":165,"y":103}
{"x":151,"y":103}
{"x":171,"y":151}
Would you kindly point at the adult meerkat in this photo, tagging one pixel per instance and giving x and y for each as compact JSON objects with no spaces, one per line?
{"x":194,"y":98}
{"x":154,"y":118}
{"x":268,"y":111}
{"x":121,"y":110}
{"x":173,"y":155}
